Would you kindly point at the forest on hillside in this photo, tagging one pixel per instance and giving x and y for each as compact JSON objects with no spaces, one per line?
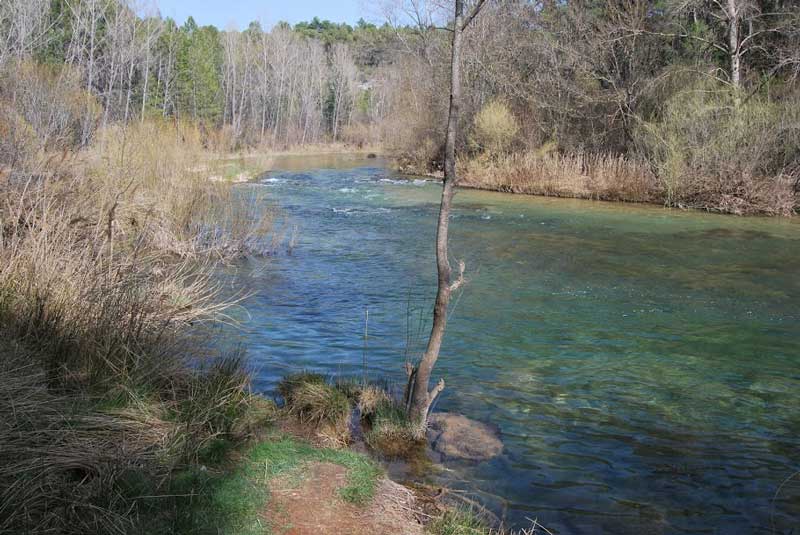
{"x":687,"y":102}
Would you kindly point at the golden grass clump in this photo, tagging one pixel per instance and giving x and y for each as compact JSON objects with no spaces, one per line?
{"x":370,"y":399}
{"x":325,"y":408}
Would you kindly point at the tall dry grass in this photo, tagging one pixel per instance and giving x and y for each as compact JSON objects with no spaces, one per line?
{"x":579,"y":175}
{"x":107,"y":259}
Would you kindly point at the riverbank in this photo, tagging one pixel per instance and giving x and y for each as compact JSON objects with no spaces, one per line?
{"x":244,"y":166}
{"x":117,"y":415}
{"x":620,"y":179}
{"x":285,"y":481}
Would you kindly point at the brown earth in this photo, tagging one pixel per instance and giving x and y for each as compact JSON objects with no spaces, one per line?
{"x":312,"y":506}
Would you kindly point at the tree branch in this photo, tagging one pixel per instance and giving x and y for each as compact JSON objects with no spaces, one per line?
{"x":473,"y":14}
{"x":460,"y":281}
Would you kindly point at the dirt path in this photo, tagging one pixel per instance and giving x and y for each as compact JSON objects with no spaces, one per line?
{"x":312,"y":506}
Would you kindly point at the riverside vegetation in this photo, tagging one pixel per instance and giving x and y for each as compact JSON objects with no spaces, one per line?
{"x":116,"y":417}
{"x":688,"y":104}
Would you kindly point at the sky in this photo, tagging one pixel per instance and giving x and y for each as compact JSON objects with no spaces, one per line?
{"x":223,"y":13}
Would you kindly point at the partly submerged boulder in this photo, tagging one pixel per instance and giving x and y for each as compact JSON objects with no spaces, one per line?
{"x":454,"y":435}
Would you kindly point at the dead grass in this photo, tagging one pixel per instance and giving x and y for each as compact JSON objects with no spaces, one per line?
{"x":107,"y":258}
{"x":580,"y":175}
{"x":323,"y":407}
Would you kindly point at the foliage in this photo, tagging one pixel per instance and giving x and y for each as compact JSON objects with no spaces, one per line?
{"x":714,"y":152}
{"x":495,"y":128}
{"x":198,"y":67}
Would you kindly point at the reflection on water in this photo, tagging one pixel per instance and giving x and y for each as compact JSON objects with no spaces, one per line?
{"x":642,"y":364}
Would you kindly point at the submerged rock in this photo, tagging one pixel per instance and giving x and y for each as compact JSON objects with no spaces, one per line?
{"x":454,"y":435}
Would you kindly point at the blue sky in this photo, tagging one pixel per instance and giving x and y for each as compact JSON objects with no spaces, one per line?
{"x":221,"y":13}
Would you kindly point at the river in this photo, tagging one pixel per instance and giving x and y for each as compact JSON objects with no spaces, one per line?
{"x":643,"y":364}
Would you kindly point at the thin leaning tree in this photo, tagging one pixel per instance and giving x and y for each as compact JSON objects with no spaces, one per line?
{"x":420,"y":395}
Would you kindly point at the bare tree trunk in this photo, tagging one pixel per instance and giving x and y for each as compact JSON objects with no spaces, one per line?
{"x":421,"y":397}
{"x":733,"y":45}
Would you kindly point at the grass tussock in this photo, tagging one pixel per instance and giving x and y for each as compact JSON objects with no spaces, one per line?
{"x":389,"y":431}
{"x":327,"y":408}
{"x":370,"y":399}
{"x":321,"y":406}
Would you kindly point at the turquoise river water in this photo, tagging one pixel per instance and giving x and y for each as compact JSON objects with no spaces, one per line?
{"x":642,"y":364}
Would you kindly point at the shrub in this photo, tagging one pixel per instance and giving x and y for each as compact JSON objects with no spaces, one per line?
{"x":495,"y":128}
{"x":51,"y":100}
{"x":292,"y":382}
{"x":715,"y":152}
{"x":18,"y":141}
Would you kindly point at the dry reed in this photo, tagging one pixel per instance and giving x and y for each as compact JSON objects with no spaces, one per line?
{"x":579,"y":175}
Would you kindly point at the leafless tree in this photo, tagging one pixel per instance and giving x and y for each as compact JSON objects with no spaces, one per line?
{"x":344,"y":80}
{"x":420,"y":395}
{"x":23,"y":26}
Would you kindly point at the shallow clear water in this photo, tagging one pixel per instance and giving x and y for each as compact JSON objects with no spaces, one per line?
{"x":643,"y":364}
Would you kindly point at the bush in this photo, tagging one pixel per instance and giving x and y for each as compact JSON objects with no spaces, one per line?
{"x":713,"y":151}
{"x":495,"y":128}
{"x":51,"y":101}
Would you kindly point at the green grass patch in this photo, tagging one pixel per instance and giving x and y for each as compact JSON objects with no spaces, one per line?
{"x":232,"y":501}
{"x":285,"y":454}
{"x":458,"y":522}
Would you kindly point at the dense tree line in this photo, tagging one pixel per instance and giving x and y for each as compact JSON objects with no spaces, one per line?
{"x":283,"y":86}
{"x":704,"y":93}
